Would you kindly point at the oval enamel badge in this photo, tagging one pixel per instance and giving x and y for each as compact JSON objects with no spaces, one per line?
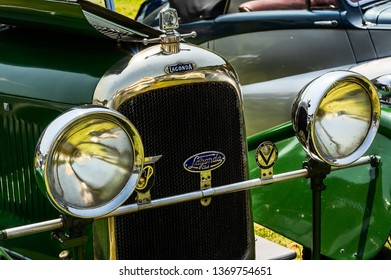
{"x":266,"y":155}
{"x":204,"y":161}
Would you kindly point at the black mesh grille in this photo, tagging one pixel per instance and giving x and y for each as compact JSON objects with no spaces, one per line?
{"x":178,"y":122}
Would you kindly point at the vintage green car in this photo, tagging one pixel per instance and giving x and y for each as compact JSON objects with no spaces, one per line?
{"x":277,"y":47}
{"x":121,"y":141}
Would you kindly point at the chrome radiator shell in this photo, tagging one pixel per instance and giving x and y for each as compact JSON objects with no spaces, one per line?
{"x":182,"y":104}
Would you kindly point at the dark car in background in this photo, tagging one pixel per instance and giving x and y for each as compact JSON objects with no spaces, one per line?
{"x":279,"y":46}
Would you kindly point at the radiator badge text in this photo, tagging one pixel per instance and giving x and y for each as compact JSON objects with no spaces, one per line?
{"x":204,"y":161}
{"x":179,"y":68}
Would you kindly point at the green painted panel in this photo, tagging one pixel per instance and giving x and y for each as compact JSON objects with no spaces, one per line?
{"x":356,"y":207}
{"x":21,"y":202}
{"x":56,"y":15}
{"x":71,"y":66}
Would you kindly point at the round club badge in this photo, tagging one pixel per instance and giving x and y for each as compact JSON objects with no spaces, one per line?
{"x":266,"y":155}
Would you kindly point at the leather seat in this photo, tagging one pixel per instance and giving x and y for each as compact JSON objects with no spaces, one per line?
{"x":265,"y":5}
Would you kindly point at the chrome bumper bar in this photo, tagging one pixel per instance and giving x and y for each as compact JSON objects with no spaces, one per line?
{"x":59,"y":223}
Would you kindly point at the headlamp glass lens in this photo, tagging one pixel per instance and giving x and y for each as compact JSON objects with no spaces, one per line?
{"x":342,"y":121}
{"x":91,"y":163}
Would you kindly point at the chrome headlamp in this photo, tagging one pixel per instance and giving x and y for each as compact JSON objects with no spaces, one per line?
{"x":336,"y":117}
{"x":88,"y":161}
{"x":383,"y":86}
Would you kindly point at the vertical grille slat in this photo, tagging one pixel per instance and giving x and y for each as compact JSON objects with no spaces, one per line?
{"x":19,"y":193}
{"x":178,"y":122}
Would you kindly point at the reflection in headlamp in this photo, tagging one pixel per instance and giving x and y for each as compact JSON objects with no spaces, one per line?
{"x":94,"y":160}
{"x":336,"y":117}
{"x":342,"y":120}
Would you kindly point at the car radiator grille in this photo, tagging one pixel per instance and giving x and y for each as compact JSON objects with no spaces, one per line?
{"x":178,"y":122}
{"x":19,"y":193}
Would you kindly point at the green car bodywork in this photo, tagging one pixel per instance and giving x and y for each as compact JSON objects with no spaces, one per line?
{"x":356,"y":205}
{"x":71,"y":75}
{"x":69,"y":81}
{"x":53,"y":60}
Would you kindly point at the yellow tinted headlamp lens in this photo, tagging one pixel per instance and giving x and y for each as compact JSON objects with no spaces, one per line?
{"x":91,"y":161}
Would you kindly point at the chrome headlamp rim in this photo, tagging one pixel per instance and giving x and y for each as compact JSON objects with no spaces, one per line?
{"x":47,"y":145}
{"x":383,"y":86}
{"x":306,"y":108}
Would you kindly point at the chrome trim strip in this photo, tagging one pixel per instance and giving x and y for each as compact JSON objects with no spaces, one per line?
{"x":112,"y":240}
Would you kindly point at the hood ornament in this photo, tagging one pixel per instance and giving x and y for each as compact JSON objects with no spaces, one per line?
{"x":170,"y":40}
